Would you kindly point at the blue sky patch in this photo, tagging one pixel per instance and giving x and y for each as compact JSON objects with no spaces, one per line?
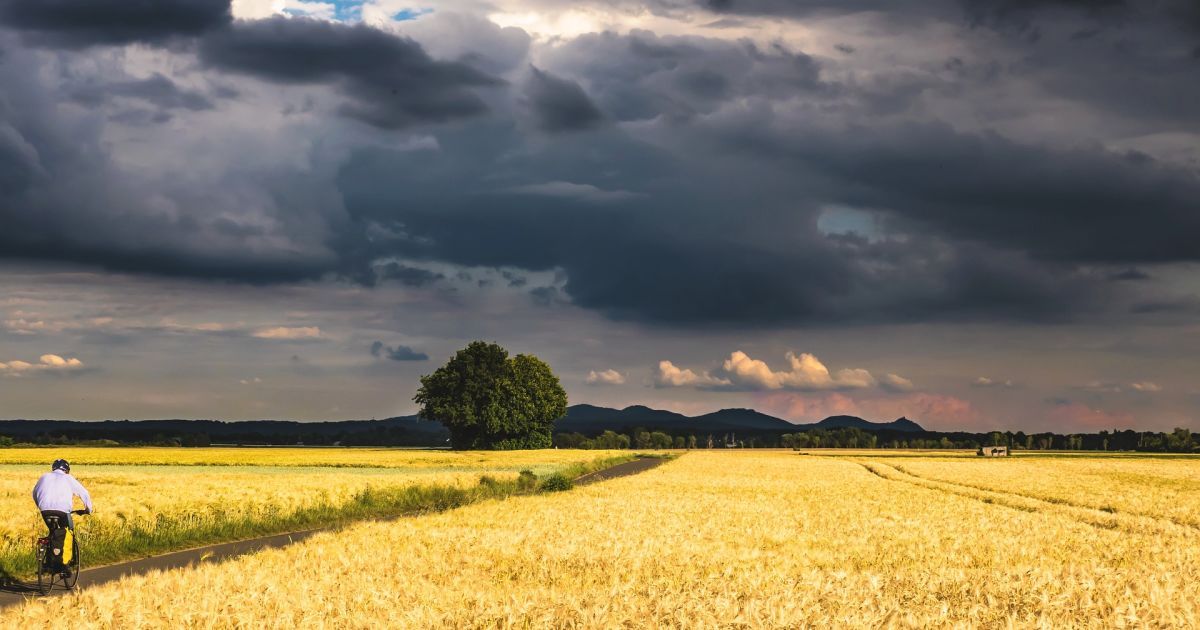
{"x":411,"y":14}
{"x":348,"y":10}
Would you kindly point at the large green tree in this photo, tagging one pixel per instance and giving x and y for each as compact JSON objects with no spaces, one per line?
{"x":490,"y":401}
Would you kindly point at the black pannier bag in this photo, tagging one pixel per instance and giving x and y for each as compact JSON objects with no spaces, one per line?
{"x":58,"y":537}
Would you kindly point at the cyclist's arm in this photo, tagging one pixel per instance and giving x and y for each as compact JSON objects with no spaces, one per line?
{"x":82,"y":492}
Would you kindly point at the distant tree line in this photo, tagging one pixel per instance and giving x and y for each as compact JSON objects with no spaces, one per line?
{"x":188,"y":439}
{"x":1178,"y":441}
{"x":639,"y":439}
{"x":391,"y":432}
{"x":379,"y":434}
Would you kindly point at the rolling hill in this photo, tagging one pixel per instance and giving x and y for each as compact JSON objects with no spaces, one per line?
{"x":590,"y":420}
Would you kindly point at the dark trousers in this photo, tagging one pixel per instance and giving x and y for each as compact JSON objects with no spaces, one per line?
{"x":63,"y":519}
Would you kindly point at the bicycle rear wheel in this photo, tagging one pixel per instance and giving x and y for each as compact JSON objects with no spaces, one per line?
{"x":45,"y":575}
{"x":70,"y":580}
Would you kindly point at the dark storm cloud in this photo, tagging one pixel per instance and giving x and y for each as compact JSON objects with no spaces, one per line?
{"x":1019,"y":16}
{"x":1065,"y":205}
{"x":1188,"y":305}
{"x":681,"y":283}
{"x":1131,"y":273}
{"x":409,"y":276}
{"x":976,"y":11}
{"x":392,"y":81}
{"x":514,"y":280}
{"x":398,"y":353}
{"x":62,"y":199}
{"x":787,"y":7}
{"x":1138,"y":69}
{"x":558,"y":104}
{"x":706,"y":215}
{"x":641,"y":76}
{"x":1024,"y":11}
{"x":694,"y":254}
{"x":990,"y":228}
{"x":19,"y":164}
{"x":80,"y":23}
{"x":156,"y":90}
{"x":1030,"y":14}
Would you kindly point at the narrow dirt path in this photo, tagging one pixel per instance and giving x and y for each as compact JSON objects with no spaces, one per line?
{"x":634,"y":467}
{"x":15,"y":591}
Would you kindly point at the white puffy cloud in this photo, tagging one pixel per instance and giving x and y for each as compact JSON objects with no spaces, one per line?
{"x":605,"y":377}
{"x":984,"y":381}
{"x":896,"y":383}
{"x":26,"y":324}
{"x":22,"y":326}
{"x":805,"y":372}
{"x":1101,"y":387}
{"x":289,"y":333}
{"x":1111,"y":387}
{"x":46,"y":363}
{"x":256,"y":9}
{"x":55,"y":361}
{"x":456,"y":35}
{"x":670,"y":376}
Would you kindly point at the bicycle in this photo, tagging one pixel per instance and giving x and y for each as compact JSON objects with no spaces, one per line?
{"x":49,"y":571}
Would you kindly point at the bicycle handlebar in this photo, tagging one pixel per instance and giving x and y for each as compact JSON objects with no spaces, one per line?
{"x":80,"y":512}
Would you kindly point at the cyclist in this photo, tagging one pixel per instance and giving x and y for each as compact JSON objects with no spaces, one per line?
{"x":55,"y":493}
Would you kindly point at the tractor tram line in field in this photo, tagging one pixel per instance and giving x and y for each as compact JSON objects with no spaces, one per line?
{"x":878,"y":470}
{"x":1055,"y":500}
{"x":1141,"y":524}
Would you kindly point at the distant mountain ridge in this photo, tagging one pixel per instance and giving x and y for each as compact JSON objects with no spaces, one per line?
{"x":844,"y":422}
{"x":413,"y":431}
{"x":590,"y":419}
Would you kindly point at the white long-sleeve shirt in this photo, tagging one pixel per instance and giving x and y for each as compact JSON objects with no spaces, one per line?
{"x":56,"y":490}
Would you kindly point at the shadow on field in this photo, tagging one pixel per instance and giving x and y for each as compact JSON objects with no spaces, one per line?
{"x":11,"y":584}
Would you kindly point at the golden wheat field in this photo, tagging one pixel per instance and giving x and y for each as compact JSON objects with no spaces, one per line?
{"x":145,"y":508}
{"x":408,"y":459}
{"x":712,"y":539}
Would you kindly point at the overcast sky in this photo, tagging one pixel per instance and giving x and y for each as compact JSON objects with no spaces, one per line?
{"x":976,"y":213}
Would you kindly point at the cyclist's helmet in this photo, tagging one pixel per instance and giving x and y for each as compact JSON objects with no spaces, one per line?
{"x":61,"y":464}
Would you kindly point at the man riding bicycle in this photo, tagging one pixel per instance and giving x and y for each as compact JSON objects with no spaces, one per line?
{"x":55,"y":494}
